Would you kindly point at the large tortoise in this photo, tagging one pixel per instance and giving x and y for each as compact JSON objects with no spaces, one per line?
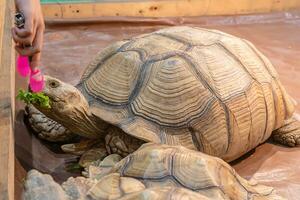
{"x":154,"y":171}
{"x":203,"y":89}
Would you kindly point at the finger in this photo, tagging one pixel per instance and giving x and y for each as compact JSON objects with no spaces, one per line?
{"x":28,"y":28}
{"x":39,"y":36}
{"x":19,"y":49}
{"x":35,"y":48}
{"x":22,"y":32}
{"x":35,"y":61}
{"x":38,"y":45}
{"x":13,"y":33}
{"x":26,"y":51}
{"x":21,"y":40}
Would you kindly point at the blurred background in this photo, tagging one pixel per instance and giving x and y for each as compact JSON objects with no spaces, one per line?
{"x":76,"y":30}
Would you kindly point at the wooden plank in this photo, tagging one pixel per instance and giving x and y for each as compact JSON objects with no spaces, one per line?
{"x":165,"y":8}
{"x":7,"y":80}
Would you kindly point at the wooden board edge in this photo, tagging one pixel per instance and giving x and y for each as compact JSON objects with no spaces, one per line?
{"x":167,"y":8}
{"x":7,"y":105}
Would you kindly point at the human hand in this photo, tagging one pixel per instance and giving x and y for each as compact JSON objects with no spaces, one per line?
{"x":29,"y":39}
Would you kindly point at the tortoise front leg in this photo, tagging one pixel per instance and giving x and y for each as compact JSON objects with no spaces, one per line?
{"x":46,"y":128}
{"x":118,"y":142}
{"x":289,"y":133}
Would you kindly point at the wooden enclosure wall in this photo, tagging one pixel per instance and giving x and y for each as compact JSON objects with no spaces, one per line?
{"x":165,"y":8}
{"x":7,"y":81}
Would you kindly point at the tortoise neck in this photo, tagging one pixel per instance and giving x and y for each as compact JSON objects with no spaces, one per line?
{"x":88,"y":125}
{"x":95,"y":126}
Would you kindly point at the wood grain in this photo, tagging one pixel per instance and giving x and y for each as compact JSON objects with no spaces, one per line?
{"x":165,"y":8}
{"x":6,"y":102}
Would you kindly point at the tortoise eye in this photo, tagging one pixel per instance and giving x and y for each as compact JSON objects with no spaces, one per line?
{"x":53,"y":84}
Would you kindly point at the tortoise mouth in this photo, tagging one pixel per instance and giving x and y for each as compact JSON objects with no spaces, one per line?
{"x":54,"y":99}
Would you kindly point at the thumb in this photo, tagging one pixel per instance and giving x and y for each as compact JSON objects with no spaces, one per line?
{"x":35,"y":61}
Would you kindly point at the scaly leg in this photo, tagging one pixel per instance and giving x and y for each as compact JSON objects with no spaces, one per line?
{"x":82,"y":146}
{"x":289,"y":133}
{"x":45,"y":127}
{"x":118,"y":142}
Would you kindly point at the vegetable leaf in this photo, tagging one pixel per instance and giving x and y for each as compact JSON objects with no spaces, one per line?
{"x":34,"y":98}
{"x":73,"y":167}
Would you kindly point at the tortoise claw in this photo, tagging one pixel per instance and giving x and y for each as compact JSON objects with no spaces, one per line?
{"x":289,"y":133}
{"x":46,"y":128}
{"x":82,"y":146}
{"x":116,"y":141}
{"x":108,"y":138}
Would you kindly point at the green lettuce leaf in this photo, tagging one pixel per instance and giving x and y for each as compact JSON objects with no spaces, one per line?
{"x":34,"y":98}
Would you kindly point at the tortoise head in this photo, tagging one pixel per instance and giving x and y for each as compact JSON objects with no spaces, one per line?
{"x":69,"y":108}
{"x":64,"y":98}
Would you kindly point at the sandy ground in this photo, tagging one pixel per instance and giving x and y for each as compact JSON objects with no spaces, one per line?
{"x":69,"y":48}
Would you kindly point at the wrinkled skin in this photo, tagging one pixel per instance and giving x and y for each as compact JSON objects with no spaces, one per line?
{"x":70,"y":108}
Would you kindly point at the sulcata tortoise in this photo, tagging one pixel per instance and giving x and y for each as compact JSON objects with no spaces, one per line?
{"x":156,"y":172}
{"x":202,"y":89}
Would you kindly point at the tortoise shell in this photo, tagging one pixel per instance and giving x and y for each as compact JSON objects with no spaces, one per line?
{"x":159,"y":165}
{"x":155,"y":171}
{"x":200,"y":88}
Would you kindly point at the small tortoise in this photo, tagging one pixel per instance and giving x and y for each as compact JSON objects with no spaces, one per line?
{"x":203,"y":89}
{"x":154,"y":171}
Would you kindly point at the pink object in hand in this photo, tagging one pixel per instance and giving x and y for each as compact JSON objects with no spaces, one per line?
{"x":36,"y":81}
{"x":23,"y":66}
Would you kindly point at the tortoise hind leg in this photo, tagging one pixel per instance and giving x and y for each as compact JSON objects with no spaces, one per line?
{"x":118,"y":142}
{"x":46,"y":128}
{"x":289,"y":133}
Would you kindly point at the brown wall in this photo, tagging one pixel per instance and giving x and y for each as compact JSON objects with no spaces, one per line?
{"x":166,"y":8}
